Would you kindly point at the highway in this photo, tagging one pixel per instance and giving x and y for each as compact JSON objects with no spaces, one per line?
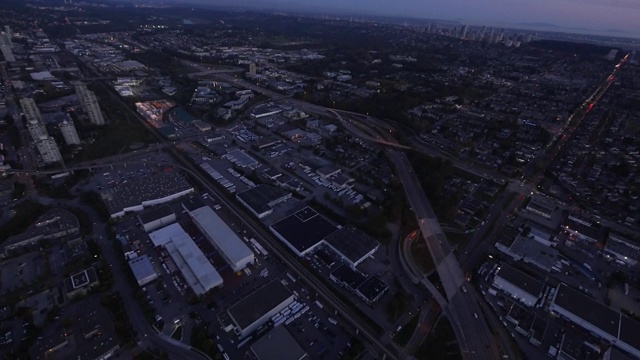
{"x":324,"y":292}
{"x":463,"y":310}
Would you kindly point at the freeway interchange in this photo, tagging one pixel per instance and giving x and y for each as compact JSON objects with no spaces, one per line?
{"x":460,"y":303}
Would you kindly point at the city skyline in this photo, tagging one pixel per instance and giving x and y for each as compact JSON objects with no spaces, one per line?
{"x":614,"y":17}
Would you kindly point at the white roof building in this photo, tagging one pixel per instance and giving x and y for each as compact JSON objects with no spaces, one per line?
{"x":196,"y":269}
{"x":235,"y":252}
{"x":142,"y":270}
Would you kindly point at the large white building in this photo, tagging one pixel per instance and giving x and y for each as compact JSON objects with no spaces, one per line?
{"x":69,"y":133}
{"x":194,"y":266}
{"x":30,"y":110}
{"x":90,"y":104}
{"x":142,"y":270}
{"x":598,"y":319}
{"x":157,"y":218}
{"x":518,"y":285}
{"x":5,"y":46}
{"x":257,"y":308}
{"x":36,"y":129}
{"x":48,"y":149}
{"x":234,"y":251}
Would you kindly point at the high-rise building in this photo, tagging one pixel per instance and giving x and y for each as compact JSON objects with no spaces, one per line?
{"x":48,"y":149}
{"x":69,"y":133}
{"x":90,"y":104}
{"x":465,"y":29}
{"x":6,"y":44}
{"x":34,"y":119}
{"x":30,"y":109}
{"x":36,"y":130}
{"x":252,"y":68}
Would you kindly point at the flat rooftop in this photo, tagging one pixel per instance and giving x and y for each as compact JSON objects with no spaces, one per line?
{"x":352,"y":243}
{"x":193,"y":264}
{"x":535,"y":252}
{"x":372,"y":287}
{"x":155,"y":214}
{"x":141,"y":267}
{"x":254,"y":306}
{"x":587,"y":309}
{"x":304,"y":229}
{"x":262,"y":197}
{"x":271,"y":346}
{"x":51,"y":224}
{"x":142,"y":189}
{"x":216,"y":230}
{"x":630,"y":331}
{"x":351,"y":278}
{"x":520,"y":279}
{"x":163,"y":235}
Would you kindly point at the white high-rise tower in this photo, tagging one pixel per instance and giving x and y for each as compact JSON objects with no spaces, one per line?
{"x":69,"y":133}
{"x":90,"y":104}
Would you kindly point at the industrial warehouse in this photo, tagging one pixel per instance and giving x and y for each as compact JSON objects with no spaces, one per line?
{"x":188,"y":258}
{"x":305,"y":230}
{"x":517,"y":284}
{"x":616,"y":328}
{"x":257,"y":308}
{"x":231,"y":248}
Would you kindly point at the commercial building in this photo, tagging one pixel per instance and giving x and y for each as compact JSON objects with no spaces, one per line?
{"x":530,"y":248}
{"x":582,"y":229}
{"x":234,"y":251}
{"x":542,"y":206}
{"x":271,"y":346}
{"x":196,"y":269}
{"x":156,"y":218}
{"x":372,"y":289}
{"x":137,"y":194}
{"x":517,"y":284}
{"x":90,"y":104}
{"x":261,"y":199}
{"x":303,"y":231}
{"x":617,"y":329}
{"x":69,"y":133}
{"x":258,"y":307}
{"x":142,"y":270}
{"x":353,"y":245}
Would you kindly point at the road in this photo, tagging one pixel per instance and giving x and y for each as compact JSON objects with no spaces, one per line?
{"x":146,"y":334}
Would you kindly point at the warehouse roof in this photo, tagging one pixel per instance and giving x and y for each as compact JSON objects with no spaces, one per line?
{"x":271,"y":345}
{"x":372,"y":288}
{"x":162,"y":236}
{"x":194,"y":266}
{"x":141,"y":267}
{"x":261,"y":198}
{"x":352,"y":243}
{"x":217,"y":231}
{"x":520,"y":279}
{"x":629,"y":330}
{"x":155,"y":214}
{"x":304,"y":229}
{"x":587,"y":309}
{"x":254,"y":306}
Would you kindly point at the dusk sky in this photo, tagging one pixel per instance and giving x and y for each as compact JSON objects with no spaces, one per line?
{"x":598,"y":15}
